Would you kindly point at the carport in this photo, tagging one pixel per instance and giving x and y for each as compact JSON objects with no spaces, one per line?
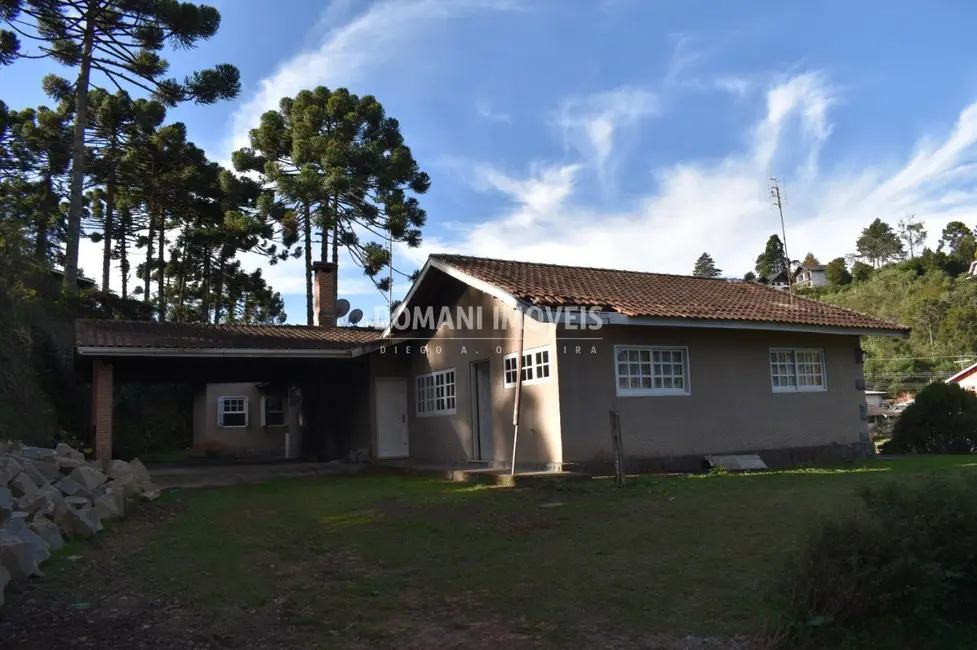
{"x":331,"y":364}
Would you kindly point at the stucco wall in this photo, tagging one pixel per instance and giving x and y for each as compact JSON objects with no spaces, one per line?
{"x":732,"y":406}
{"x":448,"y":438}
{"x":253,"y":439}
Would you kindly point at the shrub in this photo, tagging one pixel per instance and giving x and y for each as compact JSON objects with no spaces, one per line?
{"x":907,"y":567}
{"x":942,"y":420}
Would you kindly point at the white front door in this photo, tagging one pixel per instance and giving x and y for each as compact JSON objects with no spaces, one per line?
{"x":392,"y":435}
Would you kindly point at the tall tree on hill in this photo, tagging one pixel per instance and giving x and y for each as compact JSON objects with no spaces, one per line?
{"x":120,"y":41}
{"x":340,"y":165}
{"x":773,"y":259}
{"x":115,"y":123}
{"x":46,"y":135}
{"x":705,"y":267}
{"x":959,"y":242}
{"x":879,"y":244}
{"x":911,"y":231}
{"x":836,"y":272}
{"x":810,"y":260}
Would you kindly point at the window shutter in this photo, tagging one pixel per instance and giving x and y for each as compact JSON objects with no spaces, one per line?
{"x":264,"y":405}
{"x":220,"y":411}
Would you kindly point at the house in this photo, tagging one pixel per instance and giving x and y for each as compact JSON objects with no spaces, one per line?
{"x":810,"y":275}
{"x":777,"y":280}
{"x":487,"y":361}
{"x":966,"y":378}
{"x":83,"y":283}
{"x":876,"y":398}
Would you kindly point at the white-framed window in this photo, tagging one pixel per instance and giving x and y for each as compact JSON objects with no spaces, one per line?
{"x":273,"y":410}
{"x":535,"y":366}
{"x":651,"y":370}
{"x":232,"y":412}
{"x":435,"y":393}
{"x":797,"y":369}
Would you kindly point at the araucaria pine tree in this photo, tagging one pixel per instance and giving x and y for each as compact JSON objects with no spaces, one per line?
{"x":705,"y":267}
{"x":113,"y":42}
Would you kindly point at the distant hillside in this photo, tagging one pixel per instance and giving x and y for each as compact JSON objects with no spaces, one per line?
{"x":931,"y":294}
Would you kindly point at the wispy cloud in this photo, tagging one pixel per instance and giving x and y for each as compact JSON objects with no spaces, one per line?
{"x":590,"y":123}
{"x":722,"y":206}
{"x":387,"y":30}
{"x":486,"y":112}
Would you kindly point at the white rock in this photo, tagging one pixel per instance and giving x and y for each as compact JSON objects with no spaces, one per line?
{"x":21,"y":550}
{"x":47,"y":530}
{"x":128,"y":486}
{"x":22,"y":485}
{"x":62,"y":450}
{"x":6,"y":504}
{"x":88,"y":477}
{"x":76,"y":524}
{"x":38,"y":453}
{"x":77,"y":503}
{"x":140,"y":472}
{"x":6,"y":475}
{"x":72,"y":488}
{"x":12,"y":463}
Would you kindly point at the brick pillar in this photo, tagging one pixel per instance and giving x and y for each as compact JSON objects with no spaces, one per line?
{"x":324,"y":290}
{"x":102,"y":389}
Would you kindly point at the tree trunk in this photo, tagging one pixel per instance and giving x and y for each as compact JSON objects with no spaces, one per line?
{"x":183,"y":282}
{"x":205,"y":293}
{"x":219,"y":297}
{"x":335,"y":251}
{"x":78,"y":154}
{"x":309,"y":309}
{"x":150,"y":256}
{"x":107,"y":236}
{"x":161,"y":280}
{"x":124,"y":254}
{"x":42,"y":224}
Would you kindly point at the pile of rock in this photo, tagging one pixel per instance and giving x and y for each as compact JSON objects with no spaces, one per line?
{"x":49,"y":494}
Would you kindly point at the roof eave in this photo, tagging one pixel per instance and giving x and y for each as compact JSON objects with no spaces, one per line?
{"x":267,"y":353}
{"x":612,"y":318}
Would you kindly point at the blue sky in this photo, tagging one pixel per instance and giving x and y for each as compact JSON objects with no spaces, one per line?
{"x":622,"y":133}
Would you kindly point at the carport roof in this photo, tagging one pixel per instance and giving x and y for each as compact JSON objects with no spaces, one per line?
{"x":107,"y":335}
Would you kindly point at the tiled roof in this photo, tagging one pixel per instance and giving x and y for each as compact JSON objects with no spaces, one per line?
{"x":149,"y":334}
{"x":658,"y":295}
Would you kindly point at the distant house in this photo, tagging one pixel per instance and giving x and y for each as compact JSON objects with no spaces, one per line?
{"x":810,"y":275}
{"x":966,"y":378}
{"x":83,"y":282}
{"x":876,"y":398}
{"x":778,"y":280}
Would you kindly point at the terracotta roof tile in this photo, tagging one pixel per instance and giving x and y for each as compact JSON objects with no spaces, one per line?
{"x":658,"y":295}
{"x":149,"y":334}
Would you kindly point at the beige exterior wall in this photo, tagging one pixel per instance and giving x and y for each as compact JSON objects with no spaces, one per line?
{"x":253,"y":439}
{"x":731,"y":408}
{"x":448,"y":438}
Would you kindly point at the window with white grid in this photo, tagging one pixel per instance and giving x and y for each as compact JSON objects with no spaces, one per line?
{"x":232,"y":412}
{"x":535,"y":366}
{"x":646,"y":370}
{"x":797,"y":370}
{"x":435,"y":393}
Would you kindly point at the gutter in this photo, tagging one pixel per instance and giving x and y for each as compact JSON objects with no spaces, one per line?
{"x":108,"y":351}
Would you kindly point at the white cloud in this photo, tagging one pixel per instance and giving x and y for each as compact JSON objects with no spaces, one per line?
{"x":590,"y":123}
{"x":384,"y":32}
{"x":723,"y":207}
{"x":486,"y":112}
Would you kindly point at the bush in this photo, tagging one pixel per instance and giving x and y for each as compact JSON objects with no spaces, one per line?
{"x":907,"y":568}
{"x":942,"y":420}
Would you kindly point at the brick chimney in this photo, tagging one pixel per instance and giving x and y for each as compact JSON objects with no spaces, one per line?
{"x":324,"y":290}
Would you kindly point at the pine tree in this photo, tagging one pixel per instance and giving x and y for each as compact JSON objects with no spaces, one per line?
{"x":705,"y":267}
{"x":115,"y":122}
{"x":772,"y":260}
{"x":879,"y":244}
{"x":120,"y":40}
{"x":959,"y":242}
{"x":339,"y":164}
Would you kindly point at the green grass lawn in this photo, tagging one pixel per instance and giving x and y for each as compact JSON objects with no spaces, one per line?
{"x":378,"y":557}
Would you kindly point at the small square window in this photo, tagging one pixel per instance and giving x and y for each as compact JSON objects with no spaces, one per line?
{"x":232,"y":412}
